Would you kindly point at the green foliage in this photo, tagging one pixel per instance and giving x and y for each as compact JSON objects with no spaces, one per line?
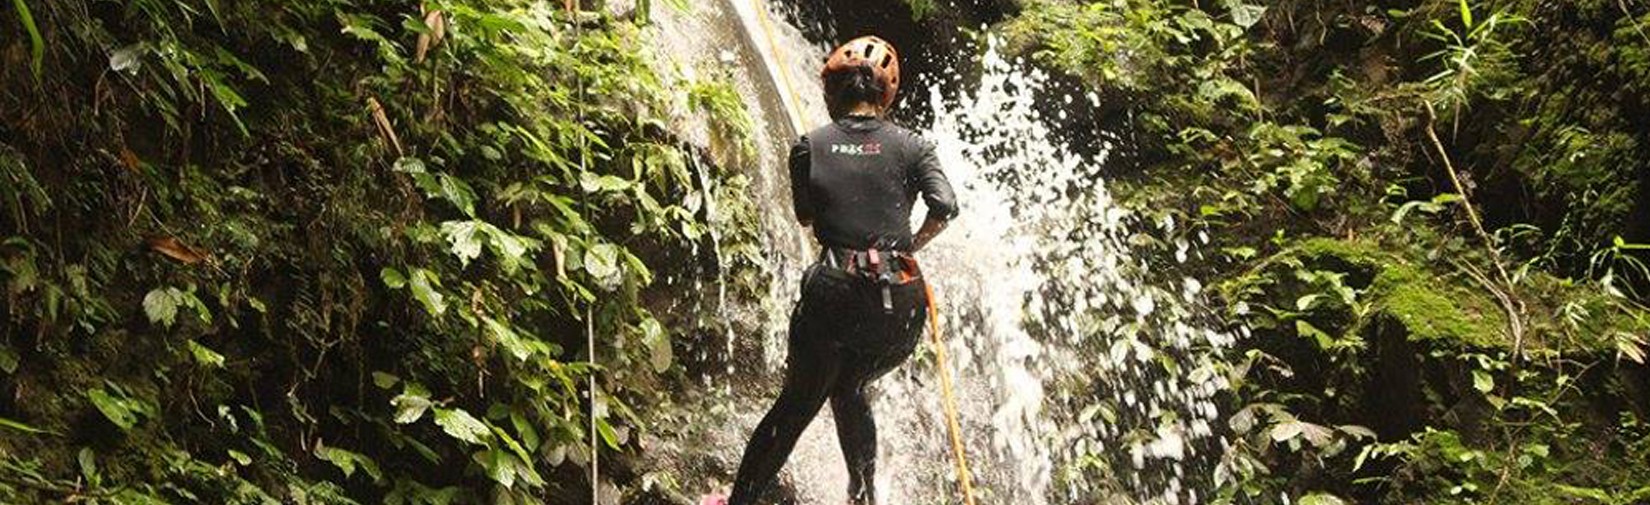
{"x":1295,"y":135}
{"x":342,"y":252}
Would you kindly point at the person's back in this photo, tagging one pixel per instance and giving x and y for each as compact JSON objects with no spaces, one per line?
{"x":857,"y":179}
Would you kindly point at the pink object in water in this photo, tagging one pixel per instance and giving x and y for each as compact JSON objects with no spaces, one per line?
{"x":713,"y":500}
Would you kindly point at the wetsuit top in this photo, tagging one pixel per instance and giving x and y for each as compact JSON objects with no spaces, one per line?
{"x":856,"y":179}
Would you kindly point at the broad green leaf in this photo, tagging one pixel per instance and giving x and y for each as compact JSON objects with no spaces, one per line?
{"x":115,"y":409}
{"x":423,"y":283}
{"x":1482,"y":381}
{"x":592,"y":183}
{"x":161,"y":305}
{"x":1284,"y":431}
{"x":8,"y":360}
{"x":410,"y":407}
{"x":240,"y":458}
{"x":349,"y":461}
{"x":205,"y":355}
{"x":392,"y":278}
{"x":608,"y":435}
{"x":507,"y":338}
{"x":602,"y":262}
{"x":657,"y":340}
{"x":461,"y":425}
{"x":88,"y":464}
{"x":1321,"y":499}
{"x":384,"y":380}
{"x":465,"y":238}
{"x":459,"y":193}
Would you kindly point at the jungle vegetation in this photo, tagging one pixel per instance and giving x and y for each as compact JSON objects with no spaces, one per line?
{"x":1432,"y":214}
{"x":353,"y":251}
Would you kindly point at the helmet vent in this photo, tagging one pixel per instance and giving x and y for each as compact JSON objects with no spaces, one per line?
{"x":886,"y":59}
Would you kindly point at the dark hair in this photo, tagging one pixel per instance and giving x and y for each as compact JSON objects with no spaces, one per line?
{"x":845,"y":90}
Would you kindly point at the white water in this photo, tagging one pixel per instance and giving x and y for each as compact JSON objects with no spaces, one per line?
{"x":1083,"y":375}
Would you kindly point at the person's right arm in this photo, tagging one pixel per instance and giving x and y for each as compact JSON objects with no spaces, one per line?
{"x":936,"y":193}
{"x":801,"y":198}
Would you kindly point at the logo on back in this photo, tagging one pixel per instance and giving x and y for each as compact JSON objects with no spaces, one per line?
{"x":866,"y":149}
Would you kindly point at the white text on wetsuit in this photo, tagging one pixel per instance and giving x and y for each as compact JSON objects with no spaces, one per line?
{"x":866,"y":149}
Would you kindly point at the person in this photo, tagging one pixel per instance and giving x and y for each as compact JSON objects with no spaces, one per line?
{"x":862,"y":309}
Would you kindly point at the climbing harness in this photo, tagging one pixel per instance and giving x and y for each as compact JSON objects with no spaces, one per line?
{"x":885,"y":269}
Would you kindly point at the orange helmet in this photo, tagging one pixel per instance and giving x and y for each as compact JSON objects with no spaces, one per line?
{"x":868,"y":51}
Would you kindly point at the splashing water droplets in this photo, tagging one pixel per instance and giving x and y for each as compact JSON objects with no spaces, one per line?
{"x":1067,"y":348}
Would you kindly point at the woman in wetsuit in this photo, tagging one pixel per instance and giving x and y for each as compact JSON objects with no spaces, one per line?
{"x":862,"y":308}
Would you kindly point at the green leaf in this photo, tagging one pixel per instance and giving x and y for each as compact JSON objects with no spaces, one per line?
{"x":657,"y":340}
{"x":1321,"y":499}
{"x":461,"y":425}
{"x":459,"y":193}
{"x":465,"y":238}
{"x":592,"y":183}
{"x":8,"y":360}
{"x":602,"y":262}
{"x":37,"y":44}
{"x":410,"y":407}
{"x":424,"y":283}
{"x":18,"y":426}
{"x":384,"y":380}
{"x":88,"y":464}
{"x":205,"y":355}
{"x":1466,"y":14}
{"x":161,"y":305}
{"x":392,"y":278}
{"x":1482,"y":381}
{"x":608,"y":435}
{"x":349,"y":461}
{"x":116,"y":410}
{"x":507,"y":338}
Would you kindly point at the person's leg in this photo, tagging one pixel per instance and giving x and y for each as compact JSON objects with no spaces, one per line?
{"x":886,"y":345}
{"x":856,"y":430}
{"x":811,"y":370}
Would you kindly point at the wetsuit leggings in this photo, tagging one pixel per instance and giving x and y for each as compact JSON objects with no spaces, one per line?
{"x":841,"y":339}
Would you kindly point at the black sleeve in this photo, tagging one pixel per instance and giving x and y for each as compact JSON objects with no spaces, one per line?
{"x":931,"y":181}
{"x":801,"y":163}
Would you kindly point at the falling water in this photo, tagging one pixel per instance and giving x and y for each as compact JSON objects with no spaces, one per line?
{"x":1071,"y":350}
{"x":1083,"y":353}
{"x":1086,"y":371}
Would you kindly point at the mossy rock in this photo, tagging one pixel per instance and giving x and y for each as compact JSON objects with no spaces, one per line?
{"x":1434,"y":307}
{"x":1429,"y":305}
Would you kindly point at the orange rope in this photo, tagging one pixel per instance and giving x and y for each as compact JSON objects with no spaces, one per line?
{"x":955,"y":426}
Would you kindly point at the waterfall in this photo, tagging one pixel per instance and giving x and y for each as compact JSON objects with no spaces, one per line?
{"x":1085,"y":375}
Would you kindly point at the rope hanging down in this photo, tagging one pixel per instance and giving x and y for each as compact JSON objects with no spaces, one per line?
{"x":951,"y":420}
{"x":572,"y":9}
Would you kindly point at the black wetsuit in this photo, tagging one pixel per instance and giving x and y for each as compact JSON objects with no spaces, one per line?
{"x":855,"y":181}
